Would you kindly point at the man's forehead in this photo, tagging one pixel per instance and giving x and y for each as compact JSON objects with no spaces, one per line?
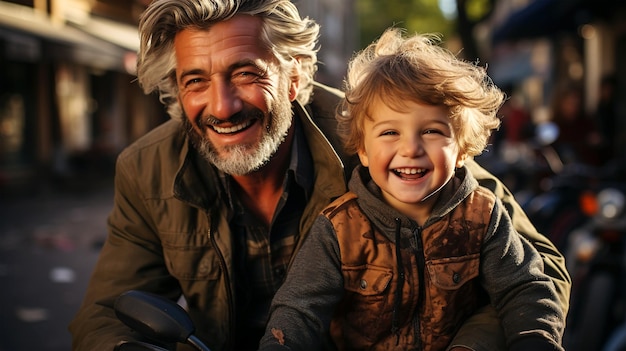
{"x":239,"y":25}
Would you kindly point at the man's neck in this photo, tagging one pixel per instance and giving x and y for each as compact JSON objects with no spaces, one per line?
{"x":261,"y":190}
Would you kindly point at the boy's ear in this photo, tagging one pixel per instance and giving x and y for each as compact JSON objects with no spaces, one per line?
{"x":363,"y":157}
{"x":460,"y":160}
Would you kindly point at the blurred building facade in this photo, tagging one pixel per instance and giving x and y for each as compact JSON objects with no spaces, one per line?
{"x":541,"y":46}
{"x":68,"y":100}
{"x":68,"y":97}
{"x":339,"y":36}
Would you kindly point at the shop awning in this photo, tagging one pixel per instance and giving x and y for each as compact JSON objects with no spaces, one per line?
{"x":95,"y":43}
{"x":545,"y":18}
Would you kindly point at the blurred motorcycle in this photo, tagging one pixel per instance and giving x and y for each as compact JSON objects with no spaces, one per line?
{"x":596,"y":259}
{"x":556,"y":201}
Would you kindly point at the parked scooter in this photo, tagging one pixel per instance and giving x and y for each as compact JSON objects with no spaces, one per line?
{"x":547,"y":189}
{"x":563,"y":193}
{"x":523,"y":165}
{"x":156,"y":318}
{"x":596,"y":260}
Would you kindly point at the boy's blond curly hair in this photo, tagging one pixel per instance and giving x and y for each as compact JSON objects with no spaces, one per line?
{"x":396,"y":69}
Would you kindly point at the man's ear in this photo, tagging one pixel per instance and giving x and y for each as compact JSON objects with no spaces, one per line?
{"x":294,"y":80}
{"x":294,"y":88}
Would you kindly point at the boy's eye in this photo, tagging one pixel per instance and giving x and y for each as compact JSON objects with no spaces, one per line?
{"x":389,"y":132}
{"x":432,"y":131}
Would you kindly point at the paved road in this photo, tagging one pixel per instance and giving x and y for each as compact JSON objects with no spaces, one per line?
{"x":49,"y":242}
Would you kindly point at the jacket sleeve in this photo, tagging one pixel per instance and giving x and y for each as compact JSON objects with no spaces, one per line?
{"x":523,"y":295}
{"x":482,"y":330}
{"x":302,"y":308}
{"x":131,"y":258}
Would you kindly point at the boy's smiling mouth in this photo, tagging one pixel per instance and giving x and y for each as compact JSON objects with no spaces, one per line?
{"x":410,"y":173}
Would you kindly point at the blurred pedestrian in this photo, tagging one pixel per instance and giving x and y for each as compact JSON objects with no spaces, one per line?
{"x":606,"y":117}
{"x":579,"y":140}
{"x":517,"y":126}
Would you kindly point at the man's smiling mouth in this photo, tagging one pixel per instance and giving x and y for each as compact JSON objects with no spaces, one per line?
{"x":233,"y":129}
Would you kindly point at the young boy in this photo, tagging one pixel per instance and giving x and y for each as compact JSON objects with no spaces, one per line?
{"x":415,"y":246}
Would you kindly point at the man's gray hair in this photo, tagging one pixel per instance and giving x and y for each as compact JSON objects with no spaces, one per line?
{"x":285,"y":33}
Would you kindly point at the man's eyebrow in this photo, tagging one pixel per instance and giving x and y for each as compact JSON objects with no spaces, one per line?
{"x":246,"y":63}
{"x":191,"y":72}
{"x":232,"y":67}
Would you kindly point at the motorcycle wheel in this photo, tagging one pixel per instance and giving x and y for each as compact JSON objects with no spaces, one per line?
{"x":592,"y":321}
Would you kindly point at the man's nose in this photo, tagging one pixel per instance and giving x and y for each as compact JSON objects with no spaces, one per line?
{"x":224,"y":100}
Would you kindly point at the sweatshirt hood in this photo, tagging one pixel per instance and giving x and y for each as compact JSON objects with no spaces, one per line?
{"x":386,"y":217}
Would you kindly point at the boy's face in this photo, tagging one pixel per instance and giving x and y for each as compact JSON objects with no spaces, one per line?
{"x":410,"y":153}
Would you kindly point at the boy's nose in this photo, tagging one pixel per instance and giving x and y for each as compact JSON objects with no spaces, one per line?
{"x":411,"y":147}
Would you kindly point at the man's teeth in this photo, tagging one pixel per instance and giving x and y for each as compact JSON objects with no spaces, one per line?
{"x":233,"y":129}
{"x":410,"y":170}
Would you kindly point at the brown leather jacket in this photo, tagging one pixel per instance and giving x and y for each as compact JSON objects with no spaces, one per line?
{"x":351,"y":282}
{"x":374,"y":313}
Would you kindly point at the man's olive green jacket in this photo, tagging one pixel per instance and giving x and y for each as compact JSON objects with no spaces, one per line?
{"x":167,"y":233}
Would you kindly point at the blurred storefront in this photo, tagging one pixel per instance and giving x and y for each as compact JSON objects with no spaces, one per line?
{"x":539,"y":46}
{"x":69,"y":101}
{"x":339,"y":36}
{"x":68,"y":97}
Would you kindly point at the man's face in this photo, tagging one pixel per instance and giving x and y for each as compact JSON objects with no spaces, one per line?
{"x":235,"y":97}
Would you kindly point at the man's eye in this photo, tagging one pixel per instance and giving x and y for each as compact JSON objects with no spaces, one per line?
{"x":192,"y":82}
{"x":245,"y":77}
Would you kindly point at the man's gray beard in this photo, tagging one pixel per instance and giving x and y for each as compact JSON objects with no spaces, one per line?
{"x":245,"y":159}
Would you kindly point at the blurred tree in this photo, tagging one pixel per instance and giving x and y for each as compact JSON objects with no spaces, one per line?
{"x":422,"y":16}
{"x":469,"y":14}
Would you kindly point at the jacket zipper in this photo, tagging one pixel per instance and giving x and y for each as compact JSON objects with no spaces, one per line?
{"x":229,"y":292}
{"x":421,"y":264}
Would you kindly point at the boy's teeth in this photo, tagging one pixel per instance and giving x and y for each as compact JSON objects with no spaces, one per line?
{"x":410,"y":170}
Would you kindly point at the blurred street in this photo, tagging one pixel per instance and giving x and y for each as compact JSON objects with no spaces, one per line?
{"x":49,"y":242}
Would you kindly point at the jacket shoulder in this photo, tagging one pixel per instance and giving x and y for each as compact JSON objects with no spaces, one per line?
{"x":339,"y":204}
{"x":163,"y":136}
{"x":484,"y":194}
{"x":323,"y":110}
{"x":155,"y":158}
{"x":484,"y":200}
{"x":166,"y":139}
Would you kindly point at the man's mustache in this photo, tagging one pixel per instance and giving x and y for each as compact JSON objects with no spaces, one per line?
{"x":237,"y":118}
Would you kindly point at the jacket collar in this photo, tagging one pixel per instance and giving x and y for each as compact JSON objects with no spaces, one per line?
{"x":197,"y":182}
{"x":384,"y":216}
